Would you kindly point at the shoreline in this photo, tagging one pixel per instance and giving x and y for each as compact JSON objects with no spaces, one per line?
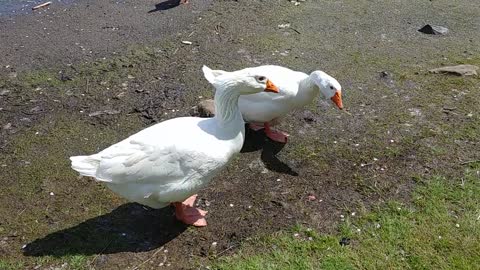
{"x":86,"y":30}
{"x":12,"y":8}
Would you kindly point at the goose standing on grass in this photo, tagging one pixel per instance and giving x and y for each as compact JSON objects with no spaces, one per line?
{"x":297,"y":89}
{"x":171,"y":161}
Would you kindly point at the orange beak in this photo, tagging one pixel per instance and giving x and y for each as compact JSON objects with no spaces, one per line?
{"x":271,"y":87}
{"x":337,"y":99}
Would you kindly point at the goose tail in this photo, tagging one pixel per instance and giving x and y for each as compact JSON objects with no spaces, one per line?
{"x":85,"y":165}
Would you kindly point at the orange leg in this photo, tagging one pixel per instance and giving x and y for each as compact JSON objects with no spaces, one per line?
{"x":275,"y":135}
{"x":188,"y":214}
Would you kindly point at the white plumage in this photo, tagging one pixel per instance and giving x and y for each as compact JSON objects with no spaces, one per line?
{"x":172,"y":160}
{"x":297,"y":89}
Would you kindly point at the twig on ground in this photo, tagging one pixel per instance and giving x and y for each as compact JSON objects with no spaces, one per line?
{"x":298,"y":32}
{"x":227,"y":249}
{"x":103,"y":250}
{"x":469,"y":161}
{"x":347,"y":112}
{"x":147,"y":260}
{"x":41,"y":5}
{"x":21,"y":212}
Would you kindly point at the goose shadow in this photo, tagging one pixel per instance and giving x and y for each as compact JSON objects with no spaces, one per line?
{"x":165,"y":5}
{"x":128,"y":228}
{"x":257,"y":140}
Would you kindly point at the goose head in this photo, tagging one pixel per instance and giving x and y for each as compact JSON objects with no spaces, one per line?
{"x":329,"y":87}
{"x":244,"y":82}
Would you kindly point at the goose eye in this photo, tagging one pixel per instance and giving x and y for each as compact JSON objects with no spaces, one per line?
{"x":262,"y":78}
{"x":331,"y":87}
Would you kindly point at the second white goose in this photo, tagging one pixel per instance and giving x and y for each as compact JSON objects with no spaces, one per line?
{"x":297,"y":89}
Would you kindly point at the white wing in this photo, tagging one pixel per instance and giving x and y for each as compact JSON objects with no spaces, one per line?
{"x":152,"y":155}
{"x":144,"y":163}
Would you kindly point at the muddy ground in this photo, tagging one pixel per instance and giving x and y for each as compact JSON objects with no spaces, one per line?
{"x":58,"y":100}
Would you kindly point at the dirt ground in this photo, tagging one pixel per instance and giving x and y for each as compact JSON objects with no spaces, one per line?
{"x":57,"y":100}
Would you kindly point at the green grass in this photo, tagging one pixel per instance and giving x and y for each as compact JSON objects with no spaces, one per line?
{"x":439,"y":230}
{"x":76,"y":262}
{"x":9,"y":266}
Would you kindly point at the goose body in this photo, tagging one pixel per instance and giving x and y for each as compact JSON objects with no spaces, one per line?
{"x":297,"y":89}
{"x":171,"y":161}
{"x":165,"y":163}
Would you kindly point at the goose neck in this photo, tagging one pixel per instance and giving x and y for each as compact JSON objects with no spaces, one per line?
{"x":226,"y":106}
{"x":308,"y":90}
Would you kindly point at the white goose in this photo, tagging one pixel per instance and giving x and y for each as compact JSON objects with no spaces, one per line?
{"x":297,"y":89}
{"x":170,"y":161}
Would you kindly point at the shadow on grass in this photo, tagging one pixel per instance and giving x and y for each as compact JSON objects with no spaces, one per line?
{"x":165,"y":5}
{"x":129,"y":228}
{"x":256,"y":140}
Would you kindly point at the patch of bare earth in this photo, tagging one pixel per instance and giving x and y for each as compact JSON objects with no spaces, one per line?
{"x":402,"y":123}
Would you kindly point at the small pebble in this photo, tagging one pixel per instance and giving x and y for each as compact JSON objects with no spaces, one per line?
{"x":286,"y":25}
{"x":186,"y":42}
{"x":345,"y":241}
{"x":457,"y":225}
{"x":231,"y":205}
{"x":342,"y":216}
{"x":353,"y":214}
{"x":51,"y":193}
